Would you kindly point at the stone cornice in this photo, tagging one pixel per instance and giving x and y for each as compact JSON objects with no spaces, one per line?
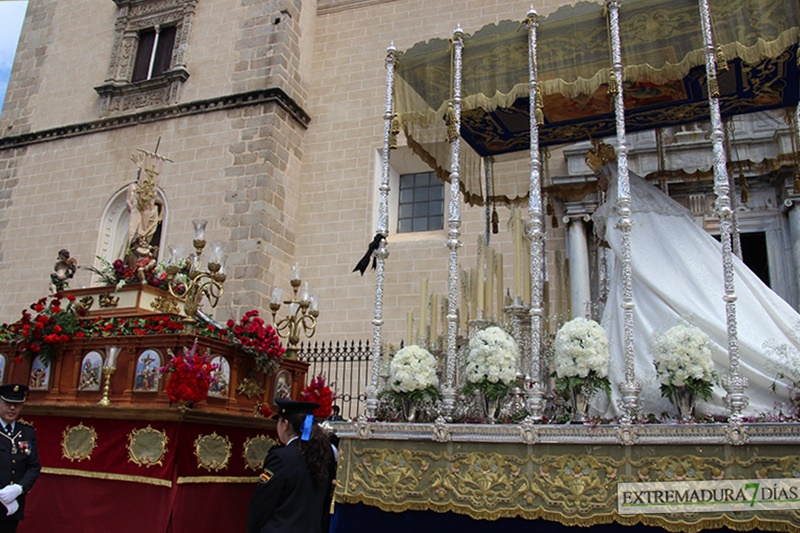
{"x":326,"y":7}
{"x":263,"y":96}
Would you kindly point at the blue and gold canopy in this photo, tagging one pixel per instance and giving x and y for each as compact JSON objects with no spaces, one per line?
{"x":664,"y":77}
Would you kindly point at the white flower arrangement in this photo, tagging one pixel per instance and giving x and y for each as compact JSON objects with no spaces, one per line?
{"x":491,"y":363}
{"x":412,"y":369}
{"x":683,"y":358}
{"x":581,"y":355}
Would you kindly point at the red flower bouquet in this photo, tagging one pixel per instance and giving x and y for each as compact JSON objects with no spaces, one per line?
{"x":52,"y":326}
{"x":190,"y":375}
{"x":258,"y":338}
{"x":319,"y":392}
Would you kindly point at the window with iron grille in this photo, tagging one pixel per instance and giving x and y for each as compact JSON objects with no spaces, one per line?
{"x":421,"y":205}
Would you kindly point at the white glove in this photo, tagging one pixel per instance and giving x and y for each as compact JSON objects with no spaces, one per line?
{"x":11,"y":508}
{"x":10,"y":493}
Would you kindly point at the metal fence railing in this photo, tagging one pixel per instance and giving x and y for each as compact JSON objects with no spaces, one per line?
{"x":346,"y":367}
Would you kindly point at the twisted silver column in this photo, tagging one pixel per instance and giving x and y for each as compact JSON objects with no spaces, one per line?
{"x":735,"y":384}
{"x":454,"y":230}
{"x":383,"y":228}
{"x":630,"y":388}
{"x":535,"y":390}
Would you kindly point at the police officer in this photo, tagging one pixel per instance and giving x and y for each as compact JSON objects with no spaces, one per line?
{"x":19,"y":457}
{"x":292,"y":495}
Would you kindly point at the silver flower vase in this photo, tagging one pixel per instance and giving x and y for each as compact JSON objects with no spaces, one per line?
{"x":684,"y":399}
{"x":409,"y":409}
{"x":490,"y":407}
{"x":580,"y":404}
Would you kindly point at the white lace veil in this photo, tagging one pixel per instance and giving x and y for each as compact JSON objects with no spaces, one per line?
{"x":645,"y":198}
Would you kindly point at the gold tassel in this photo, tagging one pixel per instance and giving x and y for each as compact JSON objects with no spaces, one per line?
{"x":722,"y":61}
{"x":495,"y":221}
{"x":539,"y":116}
{"x":745,"y":189}
{"x":394,"y":131}
{"x":613,"y":88}
{"x":450,"y":120}
{"x":796,"y":185}
{"x":713,"y":87}
{"x":539,"y":107}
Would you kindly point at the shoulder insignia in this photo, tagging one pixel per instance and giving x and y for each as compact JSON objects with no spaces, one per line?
{"x":265,"y":476}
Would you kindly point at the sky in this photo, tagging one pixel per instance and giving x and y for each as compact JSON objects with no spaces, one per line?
{"x":12,"y":14}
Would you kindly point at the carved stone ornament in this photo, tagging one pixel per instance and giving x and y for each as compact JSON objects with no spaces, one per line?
{"x":147,"y":447}
{"x":118,"y":93}
{"x":255,"y":451}
{"x":212,"y":451}
{"x":78,"y":442}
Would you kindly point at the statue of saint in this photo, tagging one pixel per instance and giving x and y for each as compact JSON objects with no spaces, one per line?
{"x":145,"y":209}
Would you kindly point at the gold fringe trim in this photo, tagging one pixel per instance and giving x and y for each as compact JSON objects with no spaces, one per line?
{"x":106,"y":475}
{"x":409,"y":105}
{"x":217,"y":479}
{"x":672,"y":525}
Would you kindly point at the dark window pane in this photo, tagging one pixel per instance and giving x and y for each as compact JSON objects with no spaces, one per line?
{"x":163,"y":59}
{"x":420,"y":205}
{"x":143,"y":52}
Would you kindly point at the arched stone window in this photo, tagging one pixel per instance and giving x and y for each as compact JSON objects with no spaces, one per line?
{"x":113,"y":240}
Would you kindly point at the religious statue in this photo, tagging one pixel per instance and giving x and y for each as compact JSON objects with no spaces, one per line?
{"x":144,"y":207}
{"x":145,"y":257}
{"x":63,"y":271}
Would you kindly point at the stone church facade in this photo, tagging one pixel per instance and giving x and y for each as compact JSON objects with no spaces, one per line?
{"x":271,"y":116}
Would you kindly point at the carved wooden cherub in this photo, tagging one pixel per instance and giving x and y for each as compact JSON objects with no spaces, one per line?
{"x":63,"y":271}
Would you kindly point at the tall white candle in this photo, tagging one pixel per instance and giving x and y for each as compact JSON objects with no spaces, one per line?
{"x":481,"y":276}
{"x":517,"y":235}
{"x":434,"y":318}
{"x":410,"y":329}
{"x":526,"y":261}
{"x":489,"y":288}
{"x":499,"y":284}
{"x":423,"y":308}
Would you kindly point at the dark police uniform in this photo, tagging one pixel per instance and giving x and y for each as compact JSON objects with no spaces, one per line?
{"x":19,"y":457}
{"x":286,"y":499}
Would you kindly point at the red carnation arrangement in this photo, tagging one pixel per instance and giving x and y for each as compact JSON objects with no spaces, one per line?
{"x":319,"y":392}
{"x":52,"y":326}
{"x":264,"y":410}
{"x":259,"y":338}
{"x":190,"y":375}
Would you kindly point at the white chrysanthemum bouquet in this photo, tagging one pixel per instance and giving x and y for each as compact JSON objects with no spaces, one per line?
{"x":412,"y":369}
{"x":683,"y":358}
{"x":412,"y":387}
{"x":491,"y":362}
{"x":581,"y":356}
